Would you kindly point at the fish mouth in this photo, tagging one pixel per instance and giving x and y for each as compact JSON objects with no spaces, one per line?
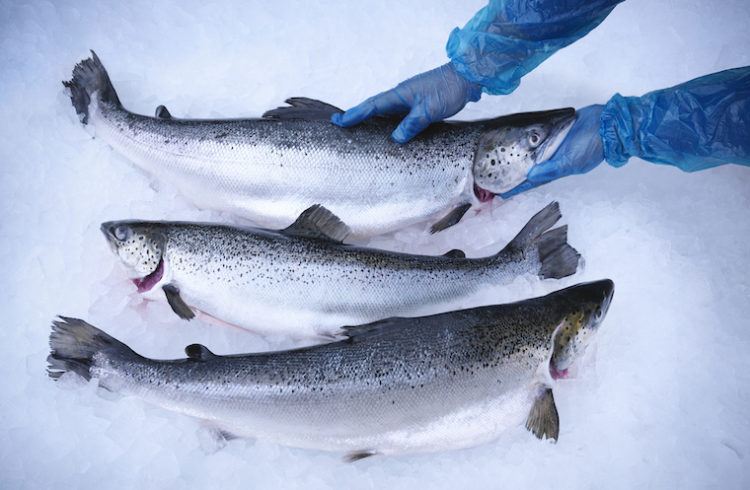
{"x":148,"y":282}
{"x":483,"y":194}
{"x":557,"y":373}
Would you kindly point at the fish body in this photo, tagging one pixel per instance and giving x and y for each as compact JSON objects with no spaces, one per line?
{"x":270,"y":169}
{"x":303,"y":282}
{"x":432,"y":383}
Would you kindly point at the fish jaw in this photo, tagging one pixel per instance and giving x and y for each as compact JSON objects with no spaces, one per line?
{"x":560,"y":129}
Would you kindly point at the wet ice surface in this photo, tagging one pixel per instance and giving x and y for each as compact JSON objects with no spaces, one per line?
{"x":660,"y":402}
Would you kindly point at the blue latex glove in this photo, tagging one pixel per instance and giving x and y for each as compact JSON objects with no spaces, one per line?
{"x":426,"y":98}
{"x":581,"y":151}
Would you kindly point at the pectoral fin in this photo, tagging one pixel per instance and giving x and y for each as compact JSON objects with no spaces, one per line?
{"x":177,"y":303}
{"x":451,"y":218}
{"x":318,"y":222}
{"x":543,"y":420}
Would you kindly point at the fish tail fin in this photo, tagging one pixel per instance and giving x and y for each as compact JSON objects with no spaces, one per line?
{"x":89,"y":78}
{"x":550,"y":248}
{"x":73,"y":345}
{"x":558,"y":258}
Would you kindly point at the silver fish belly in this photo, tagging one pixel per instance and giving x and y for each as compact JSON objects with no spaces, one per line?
{"x":399,"y":385}
{"x":271,"y":169}
{"x":303,"y":282}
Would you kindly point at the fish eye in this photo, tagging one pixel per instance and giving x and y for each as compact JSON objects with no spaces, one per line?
{"x":534,"y":139}
{"x":122,"y":232}
{"x":599,"y":314}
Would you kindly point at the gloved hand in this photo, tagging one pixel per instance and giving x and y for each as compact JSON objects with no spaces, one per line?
{"x":426,"y":98}
{"x":580,"y":151}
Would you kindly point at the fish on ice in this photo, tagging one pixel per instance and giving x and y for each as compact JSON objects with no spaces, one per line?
{"x":303,"y":282}
{"x":272,"y":168}
{"x":398,"y":385}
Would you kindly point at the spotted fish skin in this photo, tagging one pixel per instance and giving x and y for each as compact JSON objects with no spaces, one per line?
{"x":432,"y":383}
{"x":277,"y":282}
{"x":270,"y":169}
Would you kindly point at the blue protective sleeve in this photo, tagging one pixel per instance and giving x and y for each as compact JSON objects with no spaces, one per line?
{"x":508,"y":38}
{"x":699,"y":124}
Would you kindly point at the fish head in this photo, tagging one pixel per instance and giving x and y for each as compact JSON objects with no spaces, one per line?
{"x":512,"y":145}
{"x":586,"y":307}
{"x":140,"y":246}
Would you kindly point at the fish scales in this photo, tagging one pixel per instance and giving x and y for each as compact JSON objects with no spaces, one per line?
{"x":218,"y":264}
{"x":271,"y":169}
{"x":240,"y":166}
{"x":277,"y":282}
{"x":404,"y":384}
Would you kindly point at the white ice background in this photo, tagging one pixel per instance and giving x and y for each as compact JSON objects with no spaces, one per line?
{"x":662,"y":402}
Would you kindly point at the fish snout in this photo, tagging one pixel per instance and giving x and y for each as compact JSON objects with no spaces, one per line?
{"x":609,"y":290}
{"x":559,"y":125}
{"x":599,"y":292}
{"x":107,"y":229}
{"x":602,"y":294}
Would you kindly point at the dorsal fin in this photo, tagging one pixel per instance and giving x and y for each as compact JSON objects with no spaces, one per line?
{"x":318,"y":222}
{"x":198,"y":352}
{"x":303,"y":108}
{"x":162,"y":113}
{"x":357,"y":455}
{"x":455,"y":254}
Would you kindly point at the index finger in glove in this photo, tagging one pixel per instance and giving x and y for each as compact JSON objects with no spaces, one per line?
{"x":383,"y":104}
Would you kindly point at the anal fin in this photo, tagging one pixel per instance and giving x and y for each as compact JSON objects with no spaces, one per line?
{"x":162,"y":113}
{"x":213,"y":438}
{"x":198,"y":352}
{"x":357,"y":455}
{"x":543,"y":420}
{"x":455,"y":254}
{"x":451,"y":218}
{"x":177,"y":303}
